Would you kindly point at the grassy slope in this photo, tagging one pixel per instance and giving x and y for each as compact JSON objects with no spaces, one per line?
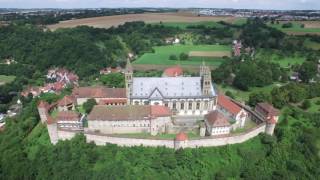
{"x":162,"y":54}
{"x":282,"y":61}
{"x":6,"y":79}
{"x":244,"y":95}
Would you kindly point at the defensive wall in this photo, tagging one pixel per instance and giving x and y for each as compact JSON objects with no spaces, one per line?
{"x":101,"y":139}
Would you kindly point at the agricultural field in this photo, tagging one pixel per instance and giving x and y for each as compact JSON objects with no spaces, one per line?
{"x":311,"y":44}
{"x":6,"y":79}
{"x":109,"y":21}
{"x":310,"y":27}
{"x":162,"y":55}
{"x":186,"y":25}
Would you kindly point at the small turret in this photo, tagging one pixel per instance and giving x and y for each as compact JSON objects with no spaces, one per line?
{"x":181,"y":141}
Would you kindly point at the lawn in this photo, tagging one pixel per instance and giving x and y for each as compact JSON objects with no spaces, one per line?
{"x":162,"y":54}
{"x":244,"y":95}
{"x":282,"y":61}
{"x":315,"y":106}
{"x":6,"y":79}
{"x":311,"y":44}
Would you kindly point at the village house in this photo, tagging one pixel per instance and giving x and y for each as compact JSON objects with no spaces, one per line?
{"x":70,"y":120}
{"x":67,"y":103}
{"x":237,"y":46}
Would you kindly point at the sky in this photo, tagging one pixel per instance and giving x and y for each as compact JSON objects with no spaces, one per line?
{"x":244,"y":4}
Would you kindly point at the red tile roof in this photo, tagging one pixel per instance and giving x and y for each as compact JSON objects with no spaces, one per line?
{"x":99,"y":92}
{"x":173,"y":71}
{"x":68,"y":116}
{"x":108,"y":101}
{"x":66,"y":100}
{"x":43,"y":104}
{"x":227,"y":104}
{"x":217,"y":119}
{"x":267,"y":108}
{"x":127,"y":112}
{"x":160,"y":111}
{"x":181,"y":136}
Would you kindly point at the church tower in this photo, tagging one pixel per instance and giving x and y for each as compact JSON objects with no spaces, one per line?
{"x":205,"y":73}
{"x":128,"y":80}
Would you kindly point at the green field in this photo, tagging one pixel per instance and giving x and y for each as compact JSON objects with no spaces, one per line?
{"x":191,"y":135}
{"x":184,"y":25}
{"x":296,"y":28}
{"x":312,"y":45}
{"x":162,"y":54}
{"x":244,"y":95}
{"x":6,"y":79}
{"x":315,"y":106}
{"x":282,"y":61}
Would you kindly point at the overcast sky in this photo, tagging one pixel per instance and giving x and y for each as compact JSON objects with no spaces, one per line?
{"x":250,"y":4}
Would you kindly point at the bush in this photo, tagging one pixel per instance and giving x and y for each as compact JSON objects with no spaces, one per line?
{"x":229,"y":93}
{"x":184,"y":56}
{"x":173,"y":57}
{"x":318,"y":102}
{"x":287,"y":25}
{"x":306,"y":104}
{"x":87,"y":106}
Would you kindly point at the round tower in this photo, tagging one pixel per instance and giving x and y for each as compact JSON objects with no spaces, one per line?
{"x":181,"y":141}
{"x":270,"y":125}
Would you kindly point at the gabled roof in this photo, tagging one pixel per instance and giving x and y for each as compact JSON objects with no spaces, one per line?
{"x":227,"y":104}
{"x":99,"y":92}
{"x":217,"y":119}
{"x":68,"y":116}
{"x":127,"y":112}
{"x":173,"y":71}
{"x":66,"y":100}
{"x":268,"y":108}
{"x":160,"y":111}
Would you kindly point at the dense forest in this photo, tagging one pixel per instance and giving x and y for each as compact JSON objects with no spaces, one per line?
{"x":293,"y":153}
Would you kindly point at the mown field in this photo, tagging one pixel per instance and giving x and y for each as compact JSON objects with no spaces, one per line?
{"x":162,"y":55}
{"x":282,"y":61}
{"x":109,"y":21}
{"x":6,"y":79}
{"x":310,"y":27}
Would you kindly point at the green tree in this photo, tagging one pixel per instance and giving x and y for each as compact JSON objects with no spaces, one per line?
{"x":183,"y":56}
{"x":307,"y":71}
{"x":113,"y":80}
{"x":257,"y":97}
{"x":88,"y":105}
{"x":306,"y":104}
{"x":173,"y":57}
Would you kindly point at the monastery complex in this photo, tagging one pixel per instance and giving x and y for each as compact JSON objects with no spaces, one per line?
{"x":155,"y":106}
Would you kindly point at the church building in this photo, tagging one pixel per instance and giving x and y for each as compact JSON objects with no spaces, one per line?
{"x":192,"y":96}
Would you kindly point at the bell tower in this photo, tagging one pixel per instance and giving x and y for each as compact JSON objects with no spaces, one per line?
{"x":205,"y":73}
{"x":128,"y":80}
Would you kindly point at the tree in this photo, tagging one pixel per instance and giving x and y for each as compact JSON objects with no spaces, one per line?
{"x":306,"y":104}
{"x":307,"y":71}
{"x":184,"y":56}
{"x":113,"y":80}
{"x":280,"y":97}
{"x":88,"y":106}
{"x":257,"y":97}
{"x":173,"y":57}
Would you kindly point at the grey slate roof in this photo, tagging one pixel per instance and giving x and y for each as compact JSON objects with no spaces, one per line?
{"x":167,"y":87}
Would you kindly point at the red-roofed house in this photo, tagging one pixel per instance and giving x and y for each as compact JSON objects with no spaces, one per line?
{"x":174,"y":71}
{"x":232,"y":110}
{"x":267,"y":111}
{"x":217,"y":123}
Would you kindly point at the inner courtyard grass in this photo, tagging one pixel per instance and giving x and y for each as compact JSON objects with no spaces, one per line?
{"x":191,"y":135}
{"x":162,"y":55}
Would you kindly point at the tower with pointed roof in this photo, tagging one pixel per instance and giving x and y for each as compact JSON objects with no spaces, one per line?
{"x":128,"y":80}
{"x":205,"y":73}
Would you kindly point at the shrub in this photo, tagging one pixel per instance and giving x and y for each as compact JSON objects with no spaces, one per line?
{"x":173,"y":57}
{"x":184,"y":56}
{"x":306,"y":104}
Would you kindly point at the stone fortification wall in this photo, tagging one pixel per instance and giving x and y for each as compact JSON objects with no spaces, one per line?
{"x":100,"y":139}
{"x":129,"y":142}
{"x":225,"y":140}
